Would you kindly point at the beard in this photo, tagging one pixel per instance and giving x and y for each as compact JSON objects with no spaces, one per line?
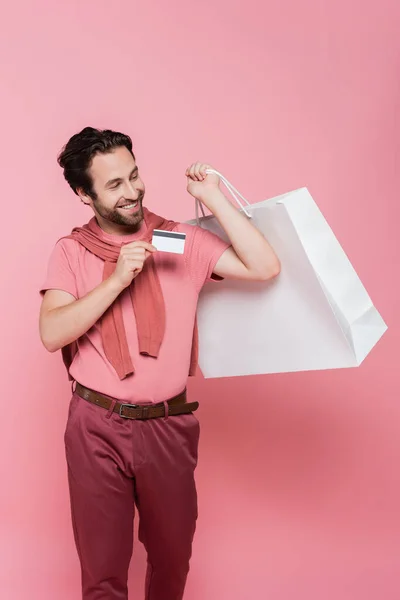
{"x":116,"y":215}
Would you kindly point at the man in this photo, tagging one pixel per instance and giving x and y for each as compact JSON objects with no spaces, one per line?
{"x":124,"y":316}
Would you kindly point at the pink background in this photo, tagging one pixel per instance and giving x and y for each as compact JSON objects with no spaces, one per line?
{"x":300,"y":500}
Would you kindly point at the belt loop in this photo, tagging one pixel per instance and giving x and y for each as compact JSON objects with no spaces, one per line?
{"x":166,"y":408}
{"x":111,"y":409}
{"x":72,"y":386}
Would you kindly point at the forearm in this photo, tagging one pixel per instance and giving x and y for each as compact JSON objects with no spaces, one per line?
{"x":65,"y":324}
{"x":250,"y":245}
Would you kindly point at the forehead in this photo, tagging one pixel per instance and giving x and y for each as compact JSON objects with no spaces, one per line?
{"x":112,"y":165}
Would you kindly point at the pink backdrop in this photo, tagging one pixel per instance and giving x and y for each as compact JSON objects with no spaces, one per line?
{"x":301,"y":499}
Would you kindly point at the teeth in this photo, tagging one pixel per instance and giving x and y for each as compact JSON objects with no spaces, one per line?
{"x":127,"y":206}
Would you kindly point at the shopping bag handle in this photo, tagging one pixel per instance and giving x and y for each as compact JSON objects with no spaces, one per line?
{"x":234,"y":193}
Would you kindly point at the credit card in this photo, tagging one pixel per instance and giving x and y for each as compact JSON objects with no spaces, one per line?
{"x":169,"y":241}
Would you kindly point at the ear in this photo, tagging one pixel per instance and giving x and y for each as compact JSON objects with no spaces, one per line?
{"x":84,"y":197}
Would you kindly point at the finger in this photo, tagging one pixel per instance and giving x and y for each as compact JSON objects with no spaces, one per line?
{"x":192,"y":172}
{"x":133,"y":264}
{"x":145,"y":255}
{"x":138,"y":254}
{"x":197,"y":171}
{"x":140,"y":244}
{"x":203,"y":171}
{"x":143,"y":244}
{"x":129,"y":249}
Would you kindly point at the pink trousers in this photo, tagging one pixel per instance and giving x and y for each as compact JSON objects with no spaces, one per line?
{"x":115,"y":464}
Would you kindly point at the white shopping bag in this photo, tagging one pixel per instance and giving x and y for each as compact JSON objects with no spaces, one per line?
{"x":315,"y":315}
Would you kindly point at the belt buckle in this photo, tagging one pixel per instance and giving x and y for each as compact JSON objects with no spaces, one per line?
{"x":123,"y":405}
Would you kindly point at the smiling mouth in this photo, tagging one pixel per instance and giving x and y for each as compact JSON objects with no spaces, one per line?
{"x":129,"y":206}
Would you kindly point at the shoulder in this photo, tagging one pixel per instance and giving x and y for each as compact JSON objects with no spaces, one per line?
{"x":202,"y":245}
{"x":185,"y":228}
{"x":68,"y":244}
{"x":66,"y":249}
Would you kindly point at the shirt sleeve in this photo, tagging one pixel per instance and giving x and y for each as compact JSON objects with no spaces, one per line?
{"x":60,"y":272}
{"x":202,"y":252}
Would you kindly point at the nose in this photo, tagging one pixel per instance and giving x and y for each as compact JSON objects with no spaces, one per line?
{"x":131,"y":191}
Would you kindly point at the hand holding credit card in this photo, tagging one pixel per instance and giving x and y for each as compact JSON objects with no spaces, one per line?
{"x":169,"y":241}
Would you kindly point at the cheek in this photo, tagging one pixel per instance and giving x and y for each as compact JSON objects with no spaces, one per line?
{"x":109,"y":200}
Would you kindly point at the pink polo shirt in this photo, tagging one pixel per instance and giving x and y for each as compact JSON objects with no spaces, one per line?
{"x":74,"y":269}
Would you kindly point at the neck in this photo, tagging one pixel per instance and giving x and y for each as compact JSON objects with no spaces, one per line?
{"x":115,"y":228}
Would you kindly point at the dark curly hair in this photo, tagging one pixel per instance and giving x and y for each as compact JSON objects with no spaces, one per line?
{"x":77,"y":155}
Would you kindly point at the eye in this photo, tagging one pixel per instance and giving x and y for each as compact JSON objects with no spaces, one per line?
{"x":115,"y":186}
{"x":134,"y":177}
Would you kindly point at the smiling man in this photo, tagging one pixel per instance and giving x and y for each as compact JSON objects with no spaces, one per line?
{"x":123,"y":315}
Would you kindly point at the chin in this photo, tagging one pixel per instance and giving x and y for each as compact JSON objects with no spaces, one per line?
{"x":126,"y":220}
{"x":135,"y":219}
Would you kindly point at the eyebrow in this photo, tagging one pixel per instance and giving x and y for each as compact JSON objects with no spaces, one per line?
{"x":112,"y":182}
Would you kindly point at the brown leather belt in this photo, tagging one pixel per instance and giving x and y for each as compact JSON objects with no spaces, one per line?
{"x":176,"y":406}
